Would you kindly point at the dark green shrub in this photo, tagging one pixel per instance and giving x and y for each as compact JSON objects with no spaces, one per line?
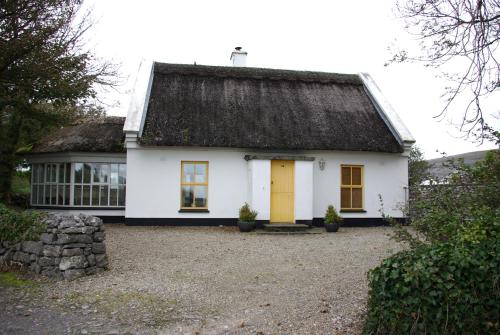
{"x":444,"y":288}
{"x":331,"y":216}
{"x":18,"y":226}
{"x":246,"y":214}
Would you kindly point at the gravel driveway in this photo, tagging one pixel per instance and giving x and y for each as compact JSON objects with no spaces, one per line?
{"x":216,"y":280}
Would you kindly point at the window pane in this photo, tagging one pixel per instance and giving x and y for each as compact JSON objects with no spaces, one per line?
{"x":121,"y":195}
{"x":122,"y":174}
{"x":96,"y":171}
{"x":187,"y":196}
{"x":78,"y":172}
{"x":95,"y":195}
{"x":53,"y":194}
{"x":104,"y":178}
{"x":66,"y":194}
{"x":113,"y":196}
{"x":78,"y":195}
{"x":61,"y":173}
{"x":357,"y":198}
{"x":86,"y":196}
{"x":345,"y":198}
{"x":60,"y":195}
{"x":188,"y":169}
{"x":34,"y":173}
{"x":200,"y":199}
{"x":114,"y":173}
{"x":201,"y":173}
{"x":40,"y":195}
{"x":46,"y":199}
{"x":346,"y":175}
{"x":104,"y":195}
{"x":356,"y":176}
{"x":34,"y":194}
{"x":53,"y":173}
{"x":68,"y":172}
{"x":87,"y":170}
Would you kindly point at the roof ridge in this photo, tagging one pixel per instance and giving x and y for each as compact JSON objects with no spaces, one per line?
{"x":256,"y":73}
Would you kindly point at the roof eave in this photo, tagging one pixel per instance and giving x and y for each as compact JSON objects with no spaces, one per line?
{"x":140,"y":98}
{"x":387,"y":112}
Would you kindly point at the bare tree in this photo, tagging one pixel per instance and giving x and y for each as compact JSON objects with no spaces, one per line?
{"x":458,"y":31}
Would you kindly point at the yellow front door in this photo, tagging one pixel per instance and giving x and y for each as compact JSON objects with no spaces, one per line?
{"x":282,"y":197}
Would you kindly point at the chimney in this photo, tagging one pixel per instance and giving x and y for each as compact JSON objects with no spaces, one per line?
{"x":239,"y":57}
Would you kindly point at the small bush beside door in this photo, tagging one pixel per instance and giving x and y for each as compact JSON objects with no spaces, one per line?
{"x":246,"y":221}
{"x":332,"y":220}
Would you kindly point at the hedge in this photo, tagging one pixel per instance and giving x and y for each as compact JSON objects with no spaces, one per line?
{"x":448,"y":288}
{"x":18,"y":226}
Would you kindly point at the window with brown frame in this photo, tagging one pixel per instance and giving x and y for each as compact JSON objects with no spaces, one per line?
{"x":351,"y":188}
{"x":194,"y":185}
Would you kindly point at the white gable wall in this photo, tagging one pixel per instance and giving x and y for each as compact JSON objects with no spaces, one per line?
{"x":153,"y":182}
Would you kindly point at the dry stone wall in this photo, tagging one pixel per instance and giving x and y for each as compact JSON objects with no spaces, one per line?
{"x":72,"y":246}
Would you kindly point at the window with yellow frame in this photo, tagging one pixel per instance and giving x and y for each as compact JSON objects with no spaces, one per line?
{"x":194,"y":185}
{"x":351,"y":188}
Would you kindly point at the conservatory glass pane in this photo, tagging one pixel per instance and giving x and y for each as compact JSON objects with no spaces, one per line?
{"x":114,"y":173}
{"x":68,"y":172}
{"x":95,"y":195}
{"x":121,"y":195}
{"x":40,"y":195}
{"x":61,"y":173}
{"x":78,"y":172}
{"x":113,"y":196}
{"x":86,"y":196}
{"x":87,"y":169}
{"x":122,"y":174}
{"x":66,"y":194}
{"x":34,"y":194}
{"x":104,"y":195}
{"x":78,"y":195}
{"x":60,"y":195}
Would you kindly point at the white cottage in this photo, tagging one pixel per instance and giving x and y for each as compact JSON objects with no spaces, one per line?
{"x":200,"y":141}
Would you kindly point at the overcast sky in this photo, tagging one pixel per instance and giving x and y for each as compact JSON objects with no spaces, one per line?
{"x":331,"y":36}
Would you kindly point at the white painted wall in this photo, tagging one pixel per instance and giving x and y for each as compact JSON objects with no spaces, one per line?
{"x":303,"y":190}
{"x":260,"y":187}
{"x":153,"y":182}
{"x":384,"y":174}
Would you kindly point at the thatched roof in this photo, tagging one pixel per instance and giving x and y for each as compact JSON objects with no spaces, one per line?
{"x":98,"y":135}
{"x":209,"y":106}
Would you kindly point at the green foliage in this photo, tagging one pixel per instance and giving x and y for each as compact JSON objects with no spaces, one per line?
{"x":246,"y":214}
{"x":445,"y":288}
{"x":417,"y":167}
{"x":18,"y":226}
{"x":447,"y":282}
{"x":47,"y":78}
{"x":465,"y":206}
{"x":10,"y":279}
{"x":331,"y":216}
{"x":21,"y":182}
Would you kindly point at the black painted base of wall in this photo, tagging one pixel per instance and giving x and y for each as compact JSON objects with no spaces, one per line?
{"x":112,"y":219}
{"x":360,"y":222}
{"x":193,"y":222}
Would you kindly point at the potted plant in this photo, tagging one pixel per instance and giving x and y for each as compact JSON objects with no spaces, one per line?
{"x":332,"y":219}
{"x":246,"y":221}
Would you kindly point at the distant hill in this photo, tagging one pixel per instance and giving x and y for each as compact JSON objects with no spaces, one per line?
{"x":437,"y":169}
